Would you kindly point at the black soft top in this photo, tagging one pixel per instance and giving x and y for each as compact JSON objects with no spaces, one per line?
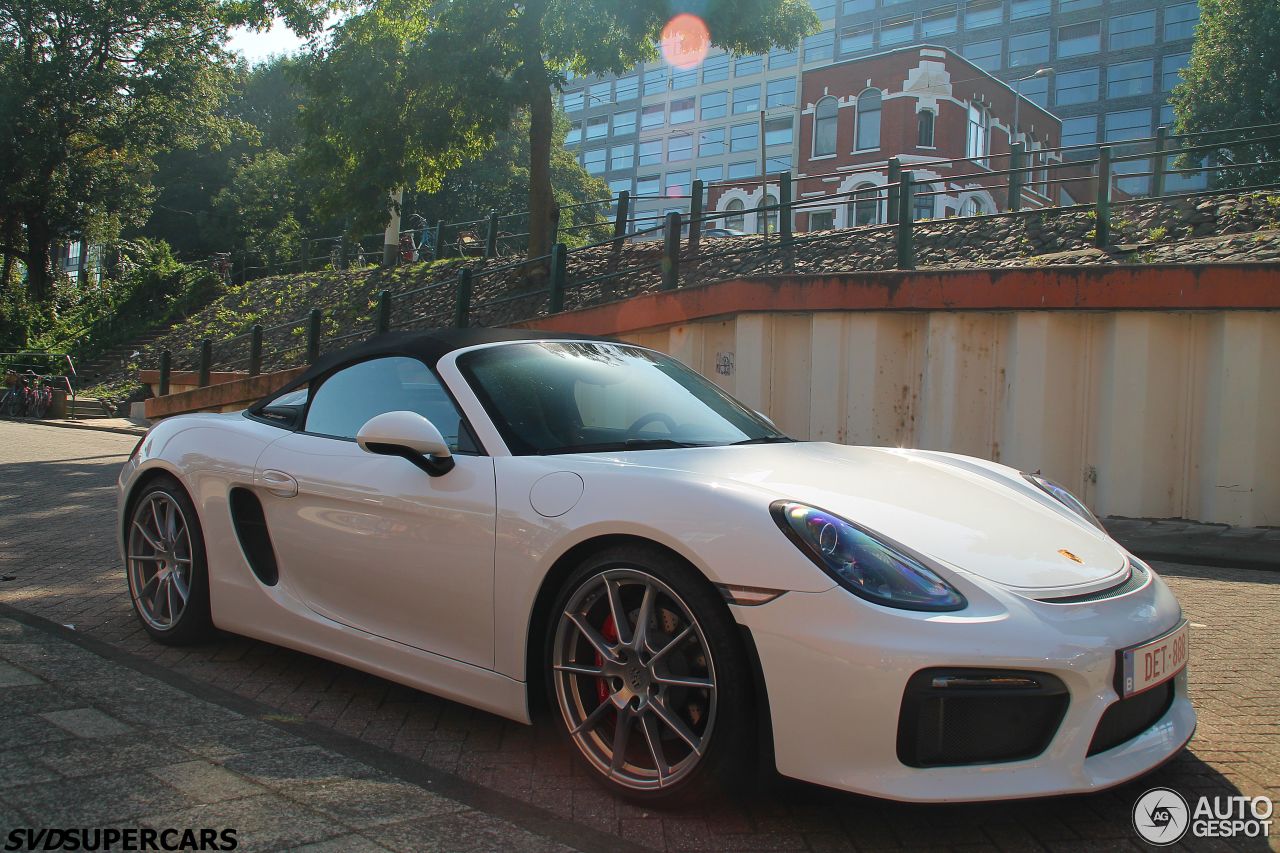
{"x":428,"y":345}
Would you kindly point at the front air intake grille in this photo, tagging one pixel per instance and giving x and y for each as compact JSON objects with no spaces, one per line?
{"x":1138,"y":576}
{"x":958,"y":716}
{"x":1126,"y":719}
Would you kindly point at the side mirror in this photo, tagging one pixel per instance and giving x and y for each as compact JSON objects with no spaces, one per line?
{"x":408,"y":435}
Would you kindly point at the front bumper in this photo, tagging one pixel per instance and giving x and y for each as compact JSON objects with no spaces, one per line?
{"x":836,"y":668}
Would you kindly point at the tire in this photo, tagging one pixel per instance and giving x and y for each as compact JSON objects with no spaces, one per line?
{"x":165,"y":556}
{"x":678,"y":696}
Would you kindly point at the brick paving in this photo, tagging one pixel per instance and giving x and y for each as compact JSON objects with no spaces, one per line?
{"x":58,"y":561}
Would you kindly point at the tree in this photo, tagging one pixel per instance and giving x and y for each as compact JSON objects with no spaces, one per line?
{"x":1233,"y":80}
{"x":90,"y":93}
{"x":257,"y":212}
{"x":469,"y":67}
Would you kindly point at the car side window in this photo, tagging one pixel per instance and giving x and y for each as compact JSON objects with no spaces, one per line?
{"x":353,"y":395}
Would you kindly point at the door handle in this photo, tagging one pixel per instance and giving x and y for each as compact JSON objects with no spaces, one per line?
{"x":279,"y":483}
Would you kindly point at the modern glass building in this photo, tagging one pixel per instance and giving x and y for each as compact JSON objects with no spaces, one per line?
{"x":653,"y":130}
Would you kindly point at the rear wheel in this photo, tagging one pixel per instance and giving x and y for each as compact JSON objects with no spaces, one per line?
{"x":649,"y":676}
{"x":165,"y":565}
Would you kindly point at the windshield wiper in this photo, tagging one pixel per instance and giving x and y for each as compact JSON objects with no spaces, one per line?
{"x":629,"y":444}
{"x":765,"y":439}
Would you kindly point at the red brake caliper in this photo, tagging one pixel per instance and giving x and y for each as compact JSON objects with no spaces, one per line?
{"x":609,"y":631}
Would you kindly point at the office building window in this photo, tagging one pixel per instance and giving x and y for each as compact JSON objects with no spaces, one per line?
{"x":1036,"y":90}
{"x":648,"y":185}
{"x":707,"y":174}
{"x":715,"y":105}
{"x":1079,"y":39}
{"x":1180,"y":21}
{"x":682,"y":110}
{"x":651,"y":152}
{"x":778,"y":131}
{"x":983,"y":13}
{"x":1166,"y":115}
{"x":598,"y":127}
{"x":824,"y":127}
{"x":1171,"y":70}
{"x":654,"y":115}
{"x":573,"y":101}
{"x":622,"y":157}
{"x":1081,"y":130}
{"x":984,"y":54}
{"x":655,"y":81}
{"x":864,"y":209}
{"x":976,"y":137}
{"x":744,"y":137}
{"x":574,"y":135}
{"x":819,"y":46}
{"x":1076,"y":87}
{"x":748,"y":65}
{"x":1136,"y":30}
{"x":853,"y":7}
{"x":1130,"y":78}
{"x":617,"y":185}
{"x":1029,"y":49}
{"x":781,"y":58}
{"x":715,"y":68}
{"x":600,"y":93}
{"x":780,"y":92}
{"x":593,"y":160}
{"x":897,"y":30}
{"x":678,"y":183}
{"x":624,"y":122}
{"x":857,"y":38}
{"x":826,"y":9}
{"x":746,"y":99}
{"x":938,"y":22}
{"x":627,"y":88}
{"x":822,"y":220}
{"x":1127,"y":124}
{"x":743,"y":169}
{"x":736,"y":219}
{"x":684,"y":79}
{"x":1021,"y":9}
{"x":680,"y":147}
{"x":867,"y":121}
{"x":711,"y":142}
{"x":924,"y":129}
{"x":777,"y":163}
{"x":1075,"y":5}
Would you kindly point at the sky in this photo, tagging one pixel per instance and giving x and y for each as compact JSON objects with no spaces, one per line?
{"x":256,"y":47}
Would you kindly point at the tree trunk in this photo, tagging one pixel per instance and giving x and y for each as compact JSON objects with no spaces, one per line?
{"x":541,"y":119}
{"x":38,"y":260}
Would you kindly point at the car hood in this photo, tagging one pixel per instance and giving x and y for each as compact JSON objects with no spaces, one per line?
{"x":946,"y":507}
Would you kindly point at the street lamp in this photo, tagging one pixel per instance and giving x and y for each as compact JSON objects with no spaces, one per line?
{"x":1017,"y":98}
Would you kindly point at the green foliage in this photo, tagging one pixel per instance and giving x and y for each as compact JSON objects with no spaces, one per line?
{"x":1233,"y":80}
{"x":1158,"y":233}
{"x":258,"y":210}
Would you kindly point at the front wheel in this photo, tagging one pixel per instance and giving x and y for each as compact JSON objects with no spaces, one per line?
{"x":165,"y":565}
{"x":650,"y":677}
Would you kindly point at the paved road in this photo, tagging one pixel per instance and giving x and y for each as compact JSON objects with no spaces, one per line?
{"x":58,"y":562}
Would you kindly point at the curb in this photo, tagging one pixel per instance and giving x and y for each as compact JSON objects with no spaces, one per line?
{"x":138,"y":431}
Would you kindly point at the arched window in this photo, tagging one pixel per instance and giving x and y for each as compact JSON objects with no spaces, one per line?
{"x":924,"y":129}
{"x":973,"y":206}
{"x":824,"y":127}
{"x":922,"y":204}
{"x":864,"y":209}
{"x":736,"y":219}
{"x":770,"y":216}
{"x":867,"y":128}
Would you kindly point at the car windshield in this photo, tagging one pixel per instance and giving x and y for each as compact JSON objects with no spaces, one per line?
{"x":583,"y":397}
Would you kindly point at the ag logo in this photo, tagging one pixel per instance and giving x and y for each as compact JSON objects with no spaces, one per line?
{"x":1161,"y":816}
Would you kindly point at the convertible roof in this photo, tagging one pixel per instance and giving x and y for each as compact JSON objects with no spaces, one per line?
{"x":429,"y":345}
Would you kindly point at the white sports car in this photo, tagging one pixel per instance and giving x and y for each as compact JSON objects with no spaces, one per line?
{"x":516,"y":521}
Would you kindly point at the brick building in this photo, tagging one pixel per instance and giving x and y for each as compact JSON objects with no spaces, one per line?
{"x":942,"y":116}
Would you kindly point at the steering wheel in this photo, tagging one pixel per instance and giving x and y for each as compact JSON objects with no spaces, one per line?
{"x":666,"y":419}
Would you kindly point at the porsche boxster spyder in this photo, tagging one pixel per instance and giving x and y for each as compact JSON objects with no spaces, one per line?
{"x":519,"y":521}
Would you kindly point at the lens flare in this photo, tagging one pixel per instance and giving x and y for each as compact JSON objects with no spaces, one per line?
{"x":685,"y":40}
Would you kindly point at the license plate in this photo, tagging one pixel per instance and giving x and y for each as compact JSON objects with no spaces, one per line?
{"x":1154,"y":662}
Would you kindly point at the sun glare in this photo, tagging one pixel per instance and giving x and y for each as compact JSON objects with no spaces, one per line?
{"x":685,"y":40}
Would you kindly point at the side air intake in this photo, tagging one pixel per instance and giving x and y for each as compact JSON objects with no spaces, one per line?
{"x":251,"y":530}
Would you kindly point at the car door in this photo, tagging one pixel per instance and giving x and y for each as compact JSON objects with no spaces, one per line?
{"x":372,"y":541}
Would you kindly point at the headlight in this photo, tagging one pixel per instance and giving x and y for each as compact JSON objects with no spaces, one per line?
{"x":1062,"y":496}
{"x":879,"y":572}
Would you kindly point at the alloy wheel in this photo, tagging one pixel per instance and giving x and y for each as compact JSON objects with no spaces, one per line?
{"x":634,"y":679}
{"x":159,"y":560}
